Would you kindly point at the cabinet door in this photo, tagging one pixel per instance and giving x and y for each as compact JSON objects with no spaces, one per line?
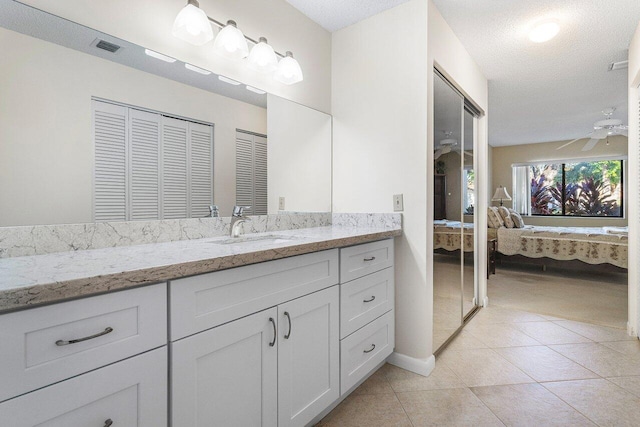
{"x":308,"y":356}
{"x":227,"y":376}
{"x":130,"y":393}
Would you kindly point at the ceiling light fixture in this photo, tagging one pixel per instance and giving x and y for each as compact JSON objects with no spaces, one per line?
{"x":156,"y":55}
{"x":192,"y":25}
{"x":232,"y":43}
{"x":263,"y":58}
{"x":228,"y":80}
{"x":256,"y":90}
{"x":544,"y":31}
{"x":197,"y":69}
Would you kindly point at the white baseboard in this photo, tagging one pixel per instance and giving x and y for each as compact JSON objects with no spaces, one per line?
{"x":631,"y":331}
{"x":419,"y":366}
{"x":485,"y":302}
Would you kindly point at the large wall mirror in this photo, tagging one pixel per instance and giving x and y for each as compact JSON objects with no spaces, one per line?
{"x":94,"y":128}
{"x":454,"y":257}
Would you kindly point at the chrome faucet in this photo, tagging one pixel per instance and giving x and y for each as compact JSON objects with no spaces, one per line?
{"x":238,"y":218}
{"x":214,"y":212}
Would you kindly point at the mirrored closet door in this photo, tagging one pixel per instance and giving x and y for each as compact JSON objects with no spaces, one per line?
{"x":454,"y":272}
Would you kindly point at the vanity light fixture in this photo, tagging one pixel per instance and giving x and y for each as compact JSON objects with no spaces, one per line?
{"x":192,"y":25}
{"x":197,"y":69}
{"x":154,"y":54}
{"x":544,"y":31}
{"x":289,"y":71}
{"x":256,"y":90}
{"x":230,"y":42}
{"x":263,"y":58}
{"x":228,"y":80}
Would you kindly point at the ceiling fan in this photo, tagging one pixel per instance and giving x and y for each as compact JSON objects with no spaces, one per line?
{"x":446,"y":145}
{"x":601,"y":130}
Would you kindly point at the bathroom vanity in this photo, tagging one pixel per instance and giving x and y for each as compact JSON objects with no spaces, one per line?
{"x":272,"y":330}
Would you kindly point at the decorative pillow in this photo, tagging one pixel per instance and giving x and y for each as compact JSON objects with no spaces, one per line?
{"x":506,"y":217}
{"x":517,"y":218}
{"x":494,"y":219}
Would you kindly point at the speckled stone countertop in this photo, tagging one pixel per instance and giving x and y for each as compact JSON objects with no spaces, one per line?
{"x":34,"y":280}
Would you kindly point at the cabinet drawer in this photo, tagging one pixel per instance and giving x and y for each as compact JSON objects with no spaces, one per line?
{"x":360,"y":260}
{"x":365,"y":349}
{"x":365,"y":299}
{"x":208,"y":300}
{"x":130,"y":393}
{"x":38,"y":347}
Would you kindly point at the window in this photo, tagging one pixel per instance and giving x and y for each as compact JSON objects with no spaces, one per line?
{"x":150,"y":166}
{"x":469,"y":178}
{"x":576,"y":188}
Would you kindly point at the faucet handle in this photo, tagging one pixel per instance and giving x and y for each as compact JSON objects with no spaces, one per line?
{"x":239,"y":210}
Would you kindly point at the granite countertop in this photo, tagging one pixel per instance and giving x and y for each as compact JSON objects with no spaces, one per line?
{"x":34,"y":280}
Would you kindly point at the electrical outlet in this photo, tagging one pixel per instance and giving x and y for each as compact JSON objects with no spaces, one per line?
{"x":281,"y":204}
{"x":398,"y":204}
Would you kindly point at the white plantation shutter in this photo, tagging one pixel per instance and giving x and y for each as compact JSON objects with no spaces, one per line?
{"x":251,"y":172}
{"x":175,"y":192}
{"x":259,"y":175}
{"x":201,"y":176}
{"x":110,"y":169}
{"x":244,"y":170}
{"x":144,"y":143}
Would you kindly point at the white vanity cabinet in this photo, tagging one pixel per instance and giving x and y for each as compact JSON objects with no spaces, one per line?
{"x":366,"y":310}
{"x":275,"y":367}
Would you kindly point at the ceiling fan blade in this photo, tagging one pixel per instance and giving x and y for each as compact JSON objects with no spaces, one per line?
{"x":446,"y":150}
{"x":600,"y":133}
{"x":468,"y":153}
{"x":624,"y":132}
{"x":589,"y":145}
{"x":438,"y":153}
{"x":570,"y":142}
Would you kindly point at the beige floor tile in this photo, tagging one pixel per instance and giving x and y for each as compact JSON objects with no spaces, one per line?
{"x":601,"y":401}
{"x":483,"y":367}
{"x":631,"y":384}
{"x":549,"y":333}
{"x":543,"y":364}
{"x":451,"y":407}
{"x":465,"y":341}
{"x":501,"y":335}
{"x":371,"y":410}
{"x":497,"y":314}
{"x":600,"y":359}
{"x":630,"y":348}
{"x":375,"y":384}
{"x":596,"y":333}
{"x":529,"y":405}
{"x":441,"y":377}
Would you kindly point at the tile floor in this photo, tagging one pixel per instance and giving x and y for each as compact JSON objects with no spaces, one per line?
{"x":509,"y":367}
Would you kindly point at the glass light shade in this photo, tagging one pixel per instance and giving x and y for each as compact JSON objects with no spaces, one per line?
{"x":544,"y":32}
{"x":289,"y":71}
{"x":230,"y":42}
{"x":192,"y":26}
{"x":262,"y":57}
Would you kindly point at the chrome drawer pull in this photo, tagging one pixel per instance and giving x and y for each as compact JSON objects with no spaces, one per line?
{"x":275,"y":332}
{"x":369,"y":259}
{"x":286,"y":337}
{"x":369,"y":300}
{"x":90,"y":337}
{"x":373,"y":347}
{"x":108,"y":423}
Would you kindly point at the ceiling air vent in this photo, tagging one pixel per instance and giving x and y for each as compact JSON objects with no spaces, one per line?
{"x":620,"y":65}
{"x":105,"y":45}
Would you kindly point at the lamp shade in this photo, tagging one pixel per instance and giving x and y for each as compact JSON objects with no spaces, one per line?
{"x":192,"y":25}
{"x":500,"y":195}
{"x":263,"y":58}
{"x":289,"y":71}
{"x":230,"y":42}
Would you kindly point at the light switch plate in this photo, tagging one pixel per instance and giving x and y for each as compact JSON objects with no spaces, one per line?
{"x":398,"y":204}
{"x":281,"y":204}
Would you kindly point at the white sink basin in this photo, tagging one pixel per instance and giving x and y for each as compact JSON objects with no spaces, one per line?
{"x":248,"y":239}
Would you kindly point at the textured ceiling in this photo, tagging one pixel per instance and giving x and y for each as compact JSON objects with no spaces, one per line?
{"x":551,"y":91}
{"x":336,"y":14}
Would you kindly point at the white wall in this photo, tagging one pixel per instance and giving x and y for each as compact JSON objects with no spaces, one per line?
{"x":46,"y":150}
{"x":634,"y":183}
{"x":299,"y":155}
{"x":379,"y":106}
{"x":148,"y":23}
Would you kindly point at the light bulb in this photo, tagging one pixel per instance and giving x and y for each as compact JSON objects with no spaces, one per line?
{"x":544,"y":31}
{"x":289,"y":71}
{"x":262,"y":57}
{"x":192,"y":25}
{"x":230,"y":42}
